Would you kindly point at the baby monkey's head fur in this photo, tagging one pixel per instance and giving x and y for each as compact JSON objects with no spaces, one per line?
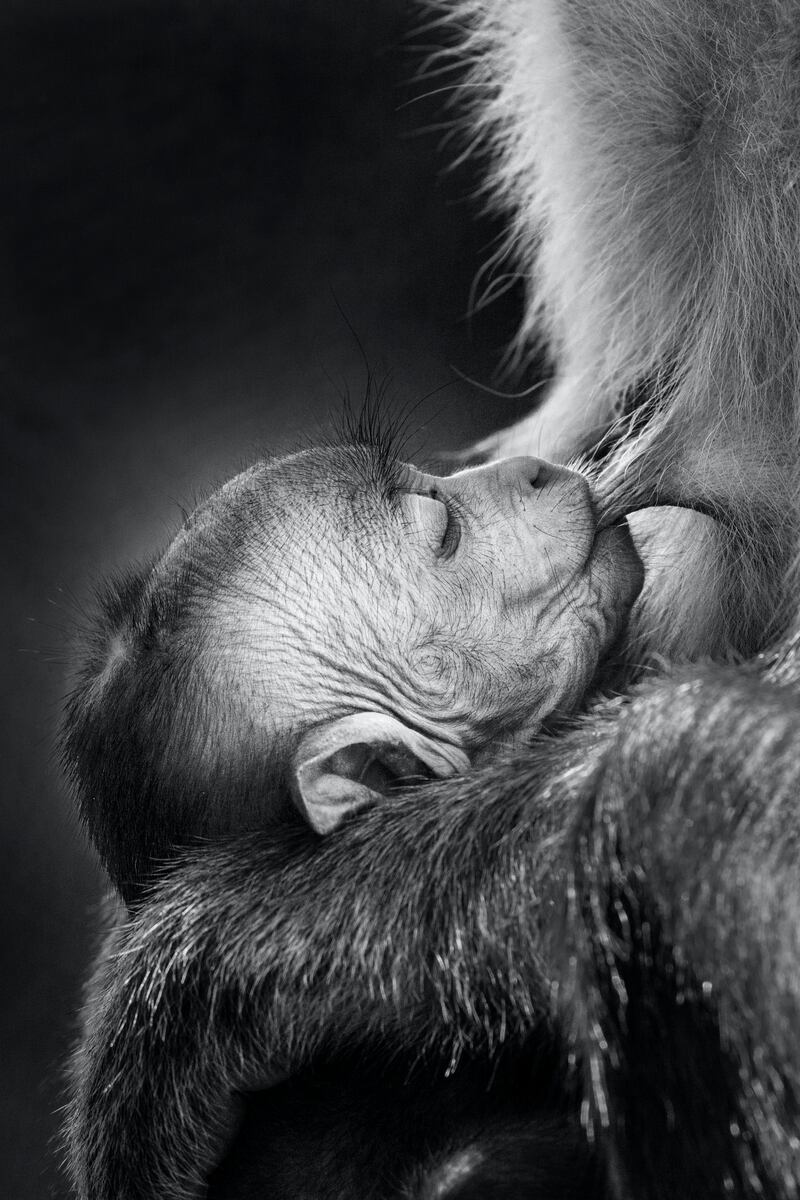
{"x":331,"y":625}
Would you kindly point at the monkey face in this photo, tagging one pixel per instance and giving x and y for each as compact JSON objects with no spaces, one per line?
{"x":332,"y":625}
{"x":466,"y":606}
{"x":518,"y":594}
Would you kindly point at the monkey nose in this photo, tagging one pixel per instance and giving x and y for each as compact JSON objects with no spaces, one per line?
{"x":528,"y":472}
{"x":514,"y":478}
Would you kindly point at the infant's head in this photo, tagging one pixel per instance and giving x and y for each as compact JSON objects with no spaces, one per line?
{"x":329,"y":625}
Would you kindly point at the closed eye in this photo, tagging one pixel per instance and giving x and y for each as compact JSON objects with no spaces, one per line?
{"x":452,"y":533}
{"x":435,"y":517}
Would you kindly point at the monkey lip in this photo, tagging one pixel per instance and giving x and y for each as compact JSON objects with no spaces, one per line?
{"x":608,"y":529}
{"x":613,"y":547}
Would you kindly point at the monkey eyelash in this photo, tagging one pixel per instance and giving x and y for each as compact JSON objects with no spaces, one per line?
{"x":452,"y":533}
{"x":456,"y":517}
{"x":383,"y":469}
{"x":371,"y":429}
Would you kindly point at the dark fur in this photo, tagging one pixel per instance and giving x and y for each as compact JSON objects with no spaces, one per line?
{"x":600,"y":930}
{"x":635,"y":882}
{"x":151,"y":737}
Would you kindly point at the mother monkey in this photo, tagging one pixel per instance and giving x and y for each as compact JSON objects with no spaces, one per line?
{"x":603,"y":929}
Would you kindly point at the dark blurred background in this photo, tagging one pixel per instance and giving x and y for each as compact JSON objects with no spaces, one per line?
{"x":190,"y":192}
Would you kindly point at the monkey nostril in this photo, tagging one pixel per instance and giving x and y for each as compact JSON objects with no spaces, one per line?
{"x":522,"y":473}
{"x":537,"y":474}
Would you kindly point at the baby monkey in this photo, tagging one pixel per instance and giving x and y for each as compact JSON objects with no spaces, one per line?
{"x":327,"y":627}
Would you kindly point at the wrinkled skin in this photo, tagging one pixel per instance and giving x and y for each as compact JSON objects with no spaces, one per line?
{"x":631,"y":886}
{"x":626,"y":891}
{"x":467,"y":605}
{"x":328,"y":625}
{"x":532,"y":922}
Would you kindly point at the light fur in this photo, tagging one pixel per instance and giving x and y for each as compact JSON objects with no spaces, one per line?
{"x":648,"y":156}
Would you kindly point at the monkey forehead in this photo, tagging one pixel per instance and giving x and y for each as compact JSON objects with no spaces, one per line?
{"x":267,"y":509}
{"x":274,"y":492}
{"x":343,"y":481}
{"x":280,"y":544}
{"x":294,"y":539}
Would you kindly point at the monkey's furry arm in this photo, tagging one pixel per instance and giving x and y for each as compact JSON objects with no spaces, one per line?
{"x":252,"y":956}
{"x":636,"y":879}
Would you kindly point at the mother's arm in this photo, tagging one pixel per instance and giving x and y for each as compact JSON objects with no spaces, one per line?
{"x":635,"y":879}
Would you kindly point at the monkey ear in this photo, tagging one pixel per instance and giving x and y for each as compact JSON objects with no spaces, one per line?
{"x":355,"y":760}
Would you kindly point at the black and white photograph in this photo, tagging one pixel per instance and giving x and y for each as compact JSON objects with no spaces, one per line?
{"x":401,"y":663}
